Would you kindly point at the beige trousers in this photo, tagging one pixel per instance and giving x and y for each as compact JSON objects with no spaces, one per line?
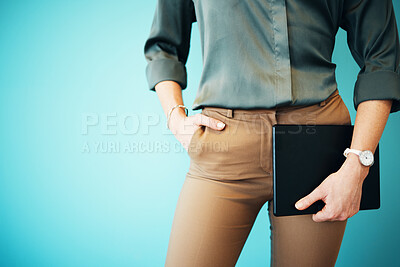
{"x":230,"y":179}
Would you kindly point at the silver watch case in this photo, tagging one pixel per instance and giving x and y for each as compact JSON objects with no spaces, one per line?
{"x":366,"y":158}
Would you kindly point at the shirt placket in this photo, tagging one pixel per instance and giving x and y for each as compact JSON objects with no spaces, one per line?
{"x":283,"y":81}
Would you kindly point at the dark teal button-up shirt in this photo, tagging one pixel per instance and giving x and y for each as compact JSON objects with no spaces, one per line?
{"x":269,"y":53}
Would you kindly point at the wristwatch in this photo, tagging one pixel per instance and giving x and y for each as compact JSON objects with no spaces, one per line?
{"x":366,"y":156}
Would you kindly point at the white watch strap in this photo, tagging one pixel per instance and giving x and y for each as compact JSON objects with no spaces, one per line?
{"x":351,"y":150}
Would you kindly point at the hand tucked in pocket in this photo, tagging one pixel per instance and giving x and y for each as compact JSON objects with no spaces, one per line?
{"x":183,"y":126}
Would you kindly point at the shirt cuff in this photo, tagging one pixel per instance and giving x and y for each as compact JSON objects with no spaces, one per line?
{"x":166,"y":69}
{"x":378,"y":85}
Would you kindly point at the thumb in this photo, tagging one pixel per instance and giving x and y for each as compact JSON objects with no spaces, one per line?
{"x":210,"y":122}
{"x":306,"y":201}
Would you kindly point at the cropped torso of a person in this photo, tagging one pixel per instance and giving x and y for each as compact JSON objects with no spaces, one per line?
{"x":264,"y":54}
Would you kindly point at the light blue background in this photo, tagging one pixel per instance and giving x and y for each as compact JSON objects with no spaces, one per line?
{"x":63,"y":62}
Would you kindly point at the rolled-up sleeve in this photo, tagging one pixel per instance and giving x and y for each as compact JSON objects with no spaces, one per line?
{"x":167,"y":47}
{"x":373,"y":40}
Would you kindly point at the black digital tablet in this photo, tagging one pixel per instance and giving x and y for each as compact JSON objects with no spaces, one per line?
{"x":304,"y":155}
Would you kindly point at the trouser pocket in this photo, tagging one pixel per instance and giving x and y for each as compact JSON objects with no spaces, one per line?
{"x":231,"y":153}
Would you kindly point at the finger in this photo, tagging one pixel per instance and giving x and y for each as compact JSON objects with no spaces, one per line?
{"x":209,"y":122}
{"x":322,"y":215}
{"x":306,"y":201}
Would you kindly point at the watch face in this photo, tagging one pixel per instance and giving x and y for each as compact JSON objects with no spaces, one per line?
{"x":366,"y":158}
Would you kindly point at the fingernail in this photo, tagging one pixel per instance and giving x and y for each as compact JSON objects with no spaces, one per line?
{"x":299,"y":205}
{"x":220,"y":124}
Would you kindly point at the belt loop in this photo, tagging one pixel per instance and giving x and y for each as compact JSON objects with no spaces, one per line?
{"x":229,"y":113}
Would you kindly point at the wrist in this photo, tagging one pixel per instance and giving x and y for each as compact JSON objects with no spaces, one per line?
{"x":177,"y":115}
{"x":353,"y":163}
